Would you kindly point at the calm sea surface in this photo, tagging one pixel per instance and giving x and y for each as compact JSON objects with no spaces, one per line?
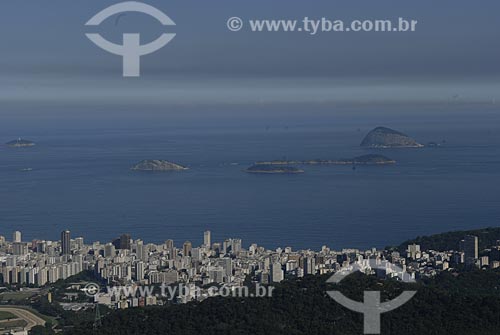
{"x":81,"y":180}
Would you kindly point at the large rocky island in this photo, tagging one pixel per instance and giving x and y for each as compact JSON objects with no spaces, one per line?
{"x":383,"y":137}
{"x":158,"y":165}
{"x":372,"y":159}
{"x":20,"y":143}
{"x":273,"y":169}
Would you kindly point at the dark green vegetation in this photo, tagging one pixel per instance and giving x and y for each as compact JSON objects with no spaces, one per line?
{"x":66,"y":320}
{"x":42,"y":330}
{"x":449,"y":241}
{"x":60,"y":288}
{"x":54,"y":314}
{"x":459,"y":304}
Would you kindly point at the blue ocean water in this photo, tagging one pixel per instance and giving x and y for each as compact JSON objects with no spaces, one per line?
{"x":81,"y":180}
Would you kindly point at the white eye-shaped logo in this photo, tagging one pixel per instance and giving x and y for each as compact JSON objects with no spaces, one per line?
{"x":372,"y":308}
{"x":131,"y":50}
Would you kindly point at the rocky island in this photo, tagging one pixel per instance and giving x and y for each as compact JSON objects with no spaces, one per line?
{"x":273,"y":169}
{"x":382,"y":137}
{"x":20,"y":143}
{"x":158,"y":165}
{"x":360,"y":160}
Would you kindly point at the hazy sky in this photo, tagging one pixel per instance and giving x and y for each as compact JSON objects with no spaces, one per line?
{"x":456,"y":49}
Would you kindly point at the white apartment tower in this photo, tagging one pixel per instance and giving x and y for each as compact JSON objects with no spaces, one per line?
{"x":16,"y":237}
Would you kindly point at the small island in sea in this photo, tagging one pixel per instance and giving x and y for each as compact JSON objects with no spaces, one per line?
{"x":20,"y":143}
{"x":383,"y":137}
{"x":158,"y":165}
{"x":361,"y":160}
{"x":273,"y":169}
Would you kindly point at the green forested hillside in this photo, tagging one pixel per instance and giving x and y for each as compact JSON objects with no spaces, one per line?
{"x":459,"y":304}
{"x":450,"y":241}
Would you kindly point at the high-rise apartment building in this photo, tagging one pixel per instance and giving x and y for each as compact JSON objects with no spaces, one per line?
{"x":470,"y":246}
{"x":207,"y":238}
{"x":19,"y":249}
{"x":125,"y":242}
{"x":139,"y":271}
{"x":277,"y":273}
{"x":65,"y":242}
{"x":16,"y":237}
{"x":186,"y":248}
{"x":413,"y":251}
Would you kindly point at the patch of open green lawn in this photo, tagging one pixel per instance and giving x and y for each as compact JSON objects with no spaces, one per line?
{"x":12,"y":324}
{"x":6,"y":315}
{"x":16,"y":296}
{"x":47,"y":318}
